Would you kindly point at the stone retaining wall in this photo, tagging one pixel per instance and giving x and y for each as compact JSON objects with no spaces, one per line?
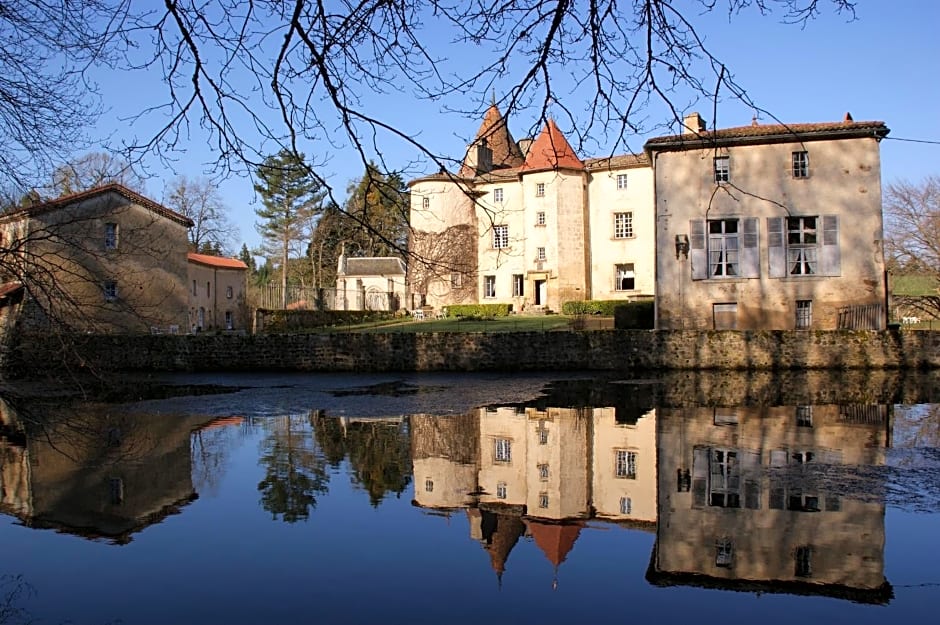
{"x":511,"y":351}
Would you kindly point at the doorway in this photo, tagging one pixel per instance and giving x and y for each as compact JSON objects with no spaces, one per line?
{"x":541,"y":292}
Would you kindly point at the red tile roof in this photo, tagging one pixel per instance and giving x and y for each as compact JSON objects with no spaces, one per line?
{"x":770,"y":133}
{"x":551,"y":150}
{"x":121,"y":190}
{"x":216,"y":261}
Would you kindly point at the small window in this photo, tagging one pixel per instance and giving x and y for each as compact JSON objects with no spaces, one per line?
{"x":621,"y":181}
{"x":501,"y":490}
{"x":543,"y":435}
{"x":804,"y":314}
{"x":540,"y":218}
{"x":500,"y":237}
{"x":543,"y":500}
{"x":625,"y":277}
{"x":518,"y":285}
{"x":540,"y":253}
{"x":625,"y":464}
{"x":801,"y":164}
{"x":208,"y":289}
{"x":194,"y":288}
{"x":722,"y":169}
{"x":489,"y":286}
{"x":623,"y":225}
{"x":229,"y":320}
{"x":540,"y":189}
{"x":429,"y":485}
{"x":804,"y":416}
{"x":626,"y":505}
{"x":724,"y":553}
{"x":498,"y":195}
{"x":110,"y":290}
{"x":543,"y":472}
{"x":229,"y":292}
{"x":425,"y":202}
{"x":503,"y":450}
{"x":804,"y":562}
{"x":456,"y":280}
{"x":110,"y":236}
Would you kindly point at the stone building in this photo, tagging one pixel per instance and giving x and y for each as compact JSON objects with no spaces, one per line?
{"x":217,"y":294}
{"x":103,"y":260}
{"x":373,"y":283}
{"x":532,"y":224}
{"x":769,"y":226}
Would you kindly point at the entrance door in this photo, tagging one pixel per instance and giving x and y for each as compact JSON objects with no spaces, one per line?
{"x":541,"y":292}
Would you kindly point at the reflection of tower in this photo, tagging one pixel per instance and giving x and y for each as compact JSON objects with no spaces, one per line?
{"x":764,"y":511}
{"x":444,"y":459}
{"x":498,"y":533}
{"x":556,"y":542}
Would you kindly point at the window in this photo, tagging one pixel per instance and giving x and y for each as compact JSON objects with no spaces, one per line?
{"x":429,"y":485}
{"x":194,"y":288}
{"x":229,"y":320}
{"x":425,"y":202}
{"x":228,"y":292}
{"x":503,"y":450}
{"x":518,"y":285}
{"x":621,"y":181}
{"x":801,"y":164}
{"x":489,"y":286}
{"x":208,"y":289}
{"x":540,"y":189}
{"x":501,"y":490}
{"x":724,"y":479}
{"x":110,"y":290}
{"x":804,"y":562}
{"x":723,"y":248}
{"x":456,"y":280}
{"x":725,"y":316}
{"x":626,"y":464}
{"x":626,"y":505}
{"x":498,"y":195}
{"x":626,"y":277}
{"x":540,"y":218}
{"x":110,"y":236}
{"x":724,"y":552}
{"x":540,"y":253}
{"x":500,"y":237}
{"x":116,"y":490}
{"x":722,"y":169}
{"x":623,"y":225}
{"x":804,"y":416}
{"x":803,"y":246}
{"x":543,"y":472}
{"x":543,"y":435}
{"x":804,"y":314}
{"x":543,"y":500}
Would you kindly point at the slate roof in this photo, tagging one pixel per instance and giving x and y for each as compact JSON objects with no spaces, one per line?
{"x":770,"y":133}
{"x":375,"y":266}
{"x":495,"y":132}
{"x":216,"y":261}
{"x":131,"y":196}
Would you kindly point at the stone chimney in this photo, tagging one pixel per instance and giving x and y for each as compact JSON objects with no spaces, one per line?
{"x":524,"y":145}
{"x":693,"y":124}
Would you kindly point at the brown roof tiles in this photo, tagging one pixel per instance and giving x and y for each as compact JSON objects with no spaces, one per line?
{"x":216,"y":261}
{"x":769,"y":133}
{"x":551,"y":150}
{"x":495,"y":132}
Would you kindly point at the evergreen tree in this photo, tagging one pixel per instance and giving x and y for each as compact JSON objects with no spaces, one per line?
{"x":248,"y":258}
{"x":291,"y":198}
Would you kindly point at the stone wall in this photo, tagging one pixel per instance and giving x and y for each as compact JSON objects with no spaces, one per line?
{"x":529,"y":351}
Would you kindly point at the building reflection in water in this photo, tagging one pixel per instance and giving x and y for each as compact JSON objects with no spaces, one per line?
{"x":749,"y":499}
{"x":96,"y":474}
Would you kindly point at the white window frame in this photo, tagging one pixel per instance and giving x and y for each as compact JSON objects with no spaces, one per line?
{"x":624,"y":277}
{"x":724,"y":247}
{"x":498,"y":195}
{"x":489,"y":286}
{"x":543,"y":472}
{"x":621,"y":182}
{"x":540,"y":218}
{"x":540,"y":254}
{"x":721,"y":169}
{"x":428,"y":485}
{"x":543,"y":500}
{"x":501,"y":490}
{"x":799,"y":161}
{"x":502,"y":450}
{"x":625,"y":464}
{"x":500,"y":237}
{"x":626,"y":505}
{"x":803,"y":245}
{"x":425,"y":203}
{"x":539,"y":189}
{"x":623,"y":225}
{"x":456,"y":279}
{"x":518,"y":285}
{"x":800,"y":249}
{"x":804,"y":314}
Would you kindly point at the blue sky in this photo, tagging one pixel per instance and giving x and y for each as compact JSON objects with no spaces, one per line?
{"x":882,"y":66}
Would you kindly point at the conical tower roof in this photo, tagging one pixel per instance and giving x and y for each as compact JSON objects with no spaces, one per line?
{"x":495,"y":132}
{"x":555,"y":541}
{"x":551,"y":150}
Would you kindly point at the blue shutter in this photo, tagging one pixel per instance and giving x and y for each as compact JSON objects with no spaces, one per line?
{"x":776,"y":250}
{"x":830,"y":256}
{"x":750,"y":248}
{"x":698,"y":253}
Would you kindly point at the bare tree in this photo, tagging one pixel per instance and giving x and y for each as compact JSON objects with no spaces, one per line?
{"x":198,"y":199}
{"x":92,"y":170}
{"x":912,"y":241}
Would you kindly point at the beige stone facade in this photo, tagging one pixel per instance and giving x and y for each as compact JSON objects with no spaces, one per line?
{"x":374,"y":283}
{"x":105,"y":260}
{"x":770,"y":227}
{"x":533,"y":229}
{"x":217,"y":293}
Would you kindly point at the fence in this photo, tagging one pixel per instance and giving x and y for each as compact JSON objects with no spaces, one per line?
{"x":868,"y":317}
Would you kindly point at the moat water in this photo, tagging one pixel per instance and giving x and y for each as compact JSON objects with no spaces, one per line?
{"x":544,"y":498}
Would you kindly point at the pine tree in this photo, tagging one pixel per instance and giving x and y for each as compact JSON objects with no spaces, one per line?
{"x":291,"y":199}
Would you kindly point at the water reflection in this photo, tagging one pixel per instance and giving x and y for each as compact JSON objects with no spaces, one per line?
{"x":737,"y":495}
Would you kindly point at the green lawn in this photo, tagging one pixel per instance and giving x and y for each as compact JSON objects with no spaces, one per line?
{"x":914,"y":285}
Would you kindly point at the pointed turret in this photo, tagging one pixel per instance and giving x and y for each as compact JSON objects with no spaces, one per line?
{"x":493,"y":146}
{"x":551,"y":150}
